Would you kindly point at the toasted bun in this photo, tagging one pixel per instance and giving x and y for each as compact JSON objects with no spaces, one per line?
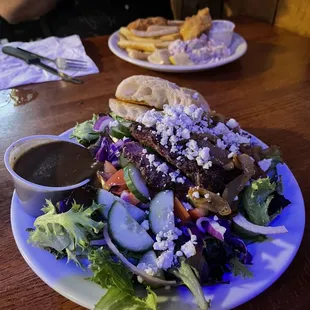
{"x":156,"y":92}
{"x":127,"y":110}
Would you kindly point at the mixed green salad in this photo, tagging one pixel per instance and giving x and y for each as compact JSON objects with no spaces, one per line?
{"x":164,"y":209}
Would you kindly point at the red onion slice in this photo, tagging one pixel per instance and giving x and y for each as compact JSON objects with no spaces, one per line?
{"x":213,"y":228}
{"x":101,"y":123}
{"x":147,"y":278}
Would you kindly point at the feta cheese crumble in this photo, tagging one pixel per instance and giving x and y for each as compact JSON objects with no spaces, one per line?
{"x":148,"y":268}
{"x":180,"y":180}
{"x":162,"y":168}
{"x":232,"y":123}
{"x":145,"y":225}
{"x":165,"y":260}
{"x":220,"y":144}
{"x":179,"y":253}
{"x":151,"y":158}
{"x":265,"y":164}
{"x":177,"y":123}
{"x":165,"y":242}
{"x":188,"y":249}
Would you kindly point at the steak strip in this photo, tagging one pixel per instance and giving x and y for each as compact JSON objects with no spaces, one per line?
{"x":155,"y":179}
{"x":214,"y":179}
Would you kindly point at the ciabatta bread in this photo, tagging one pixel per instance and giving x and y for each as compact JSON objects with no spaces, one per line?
{"x":156,"y":92}
{"x":127,"y":110}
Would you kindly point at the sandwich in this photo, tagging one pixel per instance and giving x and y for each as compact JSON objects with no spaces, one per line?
{"x":139,"y":93}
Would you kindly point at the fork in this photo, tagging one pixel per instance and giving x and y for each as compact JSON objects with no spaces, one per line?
{"x":62,"y":63}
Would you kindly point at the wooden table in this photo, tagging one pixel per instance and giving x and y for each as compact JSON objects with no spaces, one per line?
{"x":268,"y":91}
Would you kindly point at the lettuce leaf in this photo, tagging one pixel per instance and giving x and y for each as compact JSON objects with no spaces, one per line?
{"x":116,"y":278}
{"x":84,"y":132}
{"x":67,"y":231}
{"x":189,"y":278}
{"x":239,"y":269}
{"x":107,"y":272}
{"x":256,"y":200}
{"x":116,"y":299}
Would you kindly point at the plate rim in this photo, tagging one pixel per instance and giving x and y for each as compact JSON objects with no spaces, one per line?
{"x":120,"y":53}
{"x":85,"y":304}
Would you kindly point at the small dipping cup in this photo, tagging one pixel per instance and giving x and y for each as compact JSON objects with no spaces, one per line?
{"x":221,"y":31}
{"x":32,"y":196}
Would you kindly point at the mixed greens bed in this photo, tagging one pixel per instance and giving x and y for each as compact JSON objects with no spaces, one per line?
{"x":164,"y":209}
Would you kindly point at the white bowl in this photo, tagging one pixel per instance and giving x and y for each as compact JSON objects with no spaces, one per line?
{"x":33,"y":196}
{"x":221,"y":31}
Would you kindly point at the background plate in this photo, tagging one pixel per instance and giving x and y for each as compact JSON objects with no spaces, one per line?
{"x":270,"y":260}
{"x":238,"y":46}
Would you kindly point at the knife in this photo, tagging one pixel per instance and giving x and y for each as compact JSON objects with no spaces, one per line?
{"x":32,"y":59}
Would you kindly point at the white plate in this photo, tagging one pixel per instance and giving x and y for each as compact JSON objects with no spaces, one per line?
{"x":238,"y":46}
{"x":270,"y":260}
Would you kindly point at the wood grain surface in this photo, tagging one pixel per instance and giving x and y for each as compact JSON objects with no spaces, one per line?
{"x":267,"y":91}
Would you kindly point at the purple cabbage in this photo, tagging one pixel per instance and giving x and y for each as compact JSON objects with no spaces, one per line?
{"x":83,"y":195}
{"x":64,"y":205}
{"x":238,"y":245}
{"x":104,"y":150}
{"x":94,"y":148}
{"x":109,"y":150}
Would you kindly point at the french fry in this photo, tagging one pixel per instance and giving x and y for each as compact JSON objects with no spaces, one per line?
{"x":122,"y":38}
{"x":125,"y":32}
{"x":140,"y":46}
{"x":164,"y":44}
{"x":170,"y":37}
{"x":144,"y":40}
{"x":128,"y":35}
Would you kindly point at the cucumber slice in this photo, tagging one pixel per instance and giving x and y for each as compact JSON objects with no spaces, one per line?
{"x":149,"y":258}
{"x":107,"y":199}
{"x":123,"y":161}
{"x":135,"y":183}
{"x":117,"y":133}
{"x":161,"y":215}
{"x":126,"y":231}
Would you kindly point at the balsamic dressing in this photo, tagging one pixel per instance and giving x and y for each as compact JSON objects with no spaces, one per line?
{"x":55,"y":164}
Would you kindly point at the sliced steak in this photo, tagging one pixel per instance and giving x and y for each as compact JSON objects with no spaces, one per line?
{"x":214,"y":179}
{"x":155,"y":179}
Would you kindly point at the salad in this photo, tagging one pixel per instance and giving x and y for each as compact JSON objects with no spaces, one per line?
{"x":176,"y":198}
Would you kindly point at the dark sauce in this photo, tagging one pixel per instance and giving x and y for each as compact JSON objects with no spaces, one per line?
{"x":55,"y":164}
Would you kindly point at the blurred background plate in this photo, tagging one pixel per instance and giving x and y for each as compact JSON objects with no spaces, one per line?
{"x":238,"y":47}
